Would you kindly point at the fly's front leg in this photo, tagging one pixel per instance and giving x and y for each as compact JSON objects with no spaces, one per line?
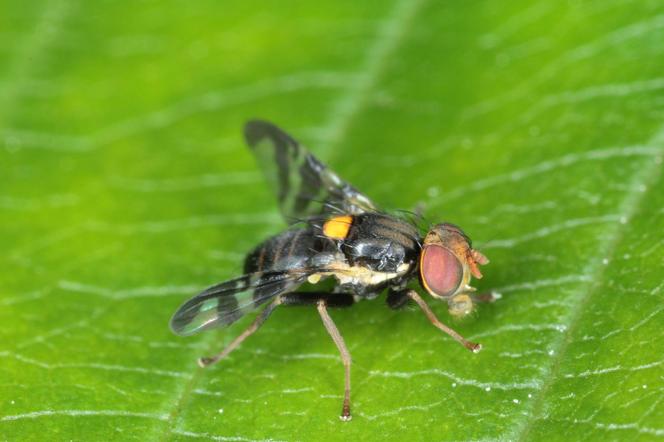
{"x":412,"y":294}
{"x":260,"y":319}
{"x":462,"y":304}
{"x":397,"y":299}
{"x":486,"y":297}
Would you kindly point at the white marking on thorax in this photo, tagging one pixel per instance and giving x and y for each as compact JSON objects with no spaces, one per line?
{"x":359,"y":275}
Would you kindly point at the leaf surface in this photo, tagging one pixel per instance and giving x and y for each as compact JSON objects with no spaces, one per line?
{"x":126,"y":188}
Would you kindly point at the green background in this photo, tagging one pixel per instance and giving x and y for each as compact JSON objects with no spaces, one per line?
{"x":125,"y":187}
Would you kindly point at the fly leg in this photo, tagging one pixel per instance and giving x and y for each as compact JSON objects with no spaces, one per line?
{"x":486,"y":297}
{"x":260,"y":319}
{"x":462,"y":303}
{"x":323,"y":300}
{"x":332,"y":300}
{"x":397,"y":299}
{"x":345,"y":355}
{"x":412,"y":294}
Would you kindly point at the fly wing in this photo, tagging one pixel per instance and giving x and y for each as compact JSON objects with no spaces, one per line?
{"x":224,"y":303}
{"x":304,"y":186}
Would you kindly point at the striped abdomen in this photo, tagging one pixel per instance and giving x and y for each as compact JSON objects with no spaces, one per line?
{"x":288,"y":250}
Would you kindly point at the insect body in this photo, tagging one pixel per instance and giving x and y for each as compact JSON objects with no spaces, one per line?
{"x":336,"y":232}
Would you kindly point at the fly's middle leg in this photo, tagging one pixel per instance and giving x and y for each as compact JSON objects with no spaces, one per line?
{"x":345,"y":355}
{"x":323,"y":301}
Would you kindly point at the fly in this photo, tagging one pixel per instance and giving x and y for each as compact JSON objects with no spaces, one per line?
{"x":335,"y":232}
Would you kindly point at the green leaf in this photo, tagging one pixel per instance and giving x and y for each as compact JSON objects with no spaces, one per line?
{"x":126,"y":187}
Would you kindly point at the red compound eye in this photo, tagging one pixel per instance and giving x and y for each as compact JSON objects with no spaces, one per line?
{"x":440,"y":270}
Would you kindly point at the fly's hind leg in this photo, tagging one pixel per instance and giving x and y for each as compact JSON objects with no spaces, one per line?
{"x":260,"y":319}
{"x":332,"y":300}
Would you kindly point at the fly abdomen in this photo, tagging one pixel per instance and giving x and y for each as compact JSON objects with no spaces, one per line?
{"x":288,"y":250}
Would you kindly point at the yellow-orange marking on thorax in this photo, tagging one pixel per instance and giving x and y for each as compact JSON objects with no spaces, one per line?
{"x":338,"y":227}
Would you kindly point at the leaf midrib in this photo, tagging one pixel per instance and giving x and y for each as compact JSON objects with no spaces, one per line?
{"x":630,"y":206}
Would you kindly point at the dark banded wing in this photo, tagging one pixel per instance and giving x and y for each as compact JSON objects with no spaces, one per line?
{"x":304,"y":186}
{"x":224,"y":303}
